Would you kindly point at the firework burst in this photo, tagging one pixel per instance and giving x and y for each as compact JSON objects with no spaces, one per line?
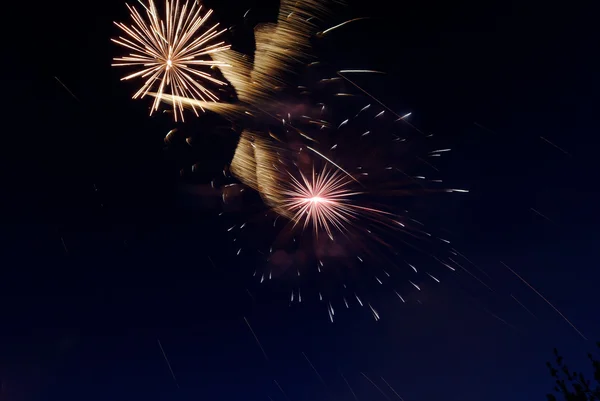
{"x":322,"y":152}
{"x":169,"y":53}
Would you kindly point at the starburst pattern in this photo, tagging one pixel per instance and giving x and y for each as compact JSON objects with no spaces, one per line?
{"x":324,"y":200}
{"x":169,"y":52}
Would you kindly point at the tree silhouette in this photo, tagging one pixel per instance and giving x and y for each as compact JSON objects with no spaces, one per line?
{"x":571,"y":385}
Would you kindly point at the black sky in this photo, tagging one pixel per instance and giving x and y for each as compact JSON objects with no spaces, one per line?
{"x":105,"y":247}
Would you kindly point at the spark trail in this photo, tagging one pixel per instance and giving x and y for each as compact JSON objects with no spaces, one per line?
{"x":168,"y":363}
{"x":545,"y":300}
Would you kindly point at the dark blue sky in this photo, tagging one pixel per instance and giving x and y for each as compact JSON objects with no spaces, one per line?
{"x":85,"y":325}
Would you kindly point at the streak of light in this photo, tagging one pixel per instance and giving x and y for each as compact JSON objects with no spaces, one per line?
{"x":168,"y":363}
{"x":483,"y":128}
{"x":362,"y":71}
{"x":336,"y":165}
{"x":358,"y":299}
{"x":256,"y":338}
{"x":314,"y":369}
{"x":523,"y":306}
{"x":348,"y":384}
{"x":246,"y":13}
{"x":471,"y":274}
{"x":473,"y":264}
{"x":537,"y":212}
{"x":67,"y":89}
{"x":211,"y":262}
{"x":363,"y":109}
{"x":556,"y":146}
{"x":391,"y":388}
{"x":433,"y":277}
{"x":400,"y":118}
{"x":374,"y":312}
{"x":416,"y":286}
{"x":404,"y":116}
{"x":375,"y":385}
{"x":400,"y":296}
{"x":343,"y":123}
{"x":280,"y":389}
{"x":62,"y":239}
{"x":548,"y":302}
{"x":326,"y":31}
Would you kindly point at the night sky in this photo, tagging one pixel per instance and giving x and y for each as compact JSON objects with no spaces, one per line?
{"x":107,"y":249}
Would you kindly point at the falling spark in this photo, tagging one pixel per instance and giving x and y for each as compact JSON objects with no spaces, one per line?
{"x":375,"y":314}
{"x":540,"y":214}
{"x":168,"y":364}
{"x":380,"y":114}
{"x":391,"y":388}
{"x":548,"y":302}
{"x":400,"y":296}
{"x":523,"y":306}
{"x":557,"y":147}
{"x":416,"y":286}
{"x":375,"y":385}
{"x":282,"y":392}
{"x":471,"y":274}
{"x":340,"y":25}
{"x":67,"y":89}
{"x":256,"y":338}
{"x":404,"y":116}
{"x":331,"y":161}
{"x":363,"y":109}
{"x":358,"y":299}
{"x":169,"y":52}
{"x":314,"y":369}
{"x":62,"y":239}
{"x":433,"y":277}
{"x":348,"y":384}
{"x":343,"y":123}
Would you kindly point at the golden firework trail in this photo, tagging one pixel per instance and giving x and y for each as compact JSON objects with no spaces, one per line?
{"x":169,"y":52}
